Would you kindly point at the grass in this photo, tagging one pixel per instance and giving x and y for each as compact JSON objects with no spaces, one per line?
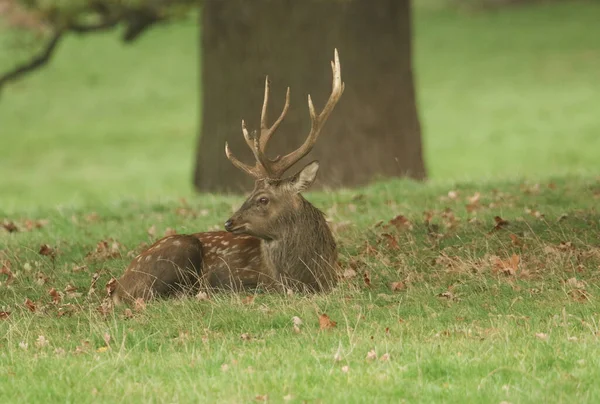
{"x":466,"y":324}
{"x":503,"y":94}
{"x":98,"y":148}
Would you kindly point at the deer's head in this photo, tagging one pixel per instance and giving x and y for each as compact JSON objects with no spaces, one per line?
{"x":275,"y":198}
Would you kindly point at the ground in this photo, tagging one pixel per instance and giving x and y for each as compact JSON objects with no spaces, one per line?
{"x":480,"y":285}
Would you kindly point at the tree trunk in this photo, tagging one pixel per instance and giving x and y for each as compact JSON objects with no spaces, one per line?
{"x":374,"y":131}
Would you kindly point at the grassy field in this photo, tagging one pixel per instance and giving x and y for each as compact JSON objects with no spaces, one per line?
{"x":456,"y":308}
{"x":484,"y":290}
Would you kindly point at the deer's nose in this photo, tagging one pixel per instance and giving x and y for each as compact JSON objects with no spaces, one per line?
{"x":229,"y":225}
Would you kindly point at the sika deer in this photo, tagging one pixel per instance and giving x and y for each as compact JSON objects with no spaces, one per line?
{"x":276,"y":240}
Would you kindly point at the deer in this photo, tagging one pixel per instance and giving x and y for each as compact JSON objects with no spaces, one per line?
{"x":276,"y":240}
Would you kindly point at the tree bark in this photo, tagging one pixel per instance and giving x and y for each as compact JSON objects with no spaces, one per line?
{"x":374,"y":131}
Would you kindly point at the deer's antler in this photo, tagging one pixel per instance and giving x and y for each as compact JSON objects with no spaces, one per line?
{"x":275,"y":168}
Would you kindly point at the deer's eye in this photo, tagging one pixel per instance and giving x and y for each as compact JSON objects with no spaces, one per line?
{"x":263,"y":200}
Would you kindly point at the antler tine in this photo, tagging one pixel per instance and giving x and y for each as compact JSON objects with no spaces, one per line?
{"x":317,"y":121}
{"x":267,"y":132}
{"x":252,"y":171}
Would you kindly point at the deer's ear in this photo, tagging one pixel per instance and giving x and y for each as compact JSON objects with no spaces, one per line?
{"x":304,"y":179}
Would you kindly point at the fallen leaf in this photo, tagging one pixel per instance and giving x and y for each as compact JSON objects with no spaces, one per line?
{"x":105,"y":249}
{"x":10,"y":227}
{"x":261,"y":397}
{"x":47,"y":251}
{"x":385,"y":357}
{"x":102,"y":349}
{"x":56,"y":298}
{"x":127,"y":313}
{"x":371,"y":355}
{"x":248,"y":299}
{"x":542,"y":336}
{"x":400,"y":222}
{"x":506,"y":267}
{"x":30,"y":305}
{"x":325,"y":322}
{"x":499,"y":224}
{"x":245,"y":337}
{"x":515,"y":240}
{"x":391,"y":241}
{"x":5,"y":270}
{"x":41,"y":278}
{"x":366,"y":278}
{"x":397,"y":286}
{"x":4,"y":315}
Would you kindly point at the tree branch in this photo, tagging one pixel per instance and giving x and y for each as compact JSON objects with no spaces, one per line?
{"x":35,"y":63}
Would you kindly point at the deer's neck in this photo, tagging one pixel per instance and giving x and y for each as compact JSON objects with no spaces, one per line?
{"x":304,"y":254}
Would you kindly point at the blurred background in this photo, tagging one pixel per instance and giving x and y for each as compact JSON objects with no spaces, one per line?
{"x":106,"y":99}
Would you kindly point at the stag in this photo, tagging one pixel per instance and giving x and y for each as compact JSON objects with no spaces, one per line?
{"x":276,"y":240}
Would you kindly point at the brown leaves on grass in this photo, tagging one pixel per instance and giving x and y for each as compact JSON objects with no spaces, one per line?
{"x":506,"y":267}
{"x":5,"y":270}
{"x":105,"y":249}
{"x":31,"y":306}
{"x":47,"y":251}
{"x":577,"y":290}
{"x":499,"y":224}
{"x":24,"y":225}
{"x":326,"y":323}
{"x":9,"y":226}
{"x":398,"y":286}
{"x":56,"y":297}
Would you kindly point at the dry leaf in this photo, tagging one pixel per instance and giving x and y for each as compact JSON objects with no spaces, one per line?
{"x":30,"y":305}
{"x":245,"y":337}
{"x":385,"y":357}
{"x":261,"y":397}
{"x":248,"y":299}
{"x":516,"y":241}
{"x":127,"y":313}
{"x":371,"y":355}
{"x":397,"y":286}
{"x":10,"y":226}
{"x":41,"y":278}
{"x":325,"y":322}
{"x":47,"y":251}
{"x":400,"y":222}
{"x":506,"y":267}
{"x":56,"y":298}
{"x":366,"y":278}
{"x":4,"y":315}
{"x":542,"y":336}
{"x":5,"y":270}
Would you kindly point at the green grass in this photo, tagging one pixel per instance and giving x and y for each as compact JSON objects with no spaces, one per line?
{"x":504,"y":94}
{"x":530,"y":336}
{"x":99,"y":147}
